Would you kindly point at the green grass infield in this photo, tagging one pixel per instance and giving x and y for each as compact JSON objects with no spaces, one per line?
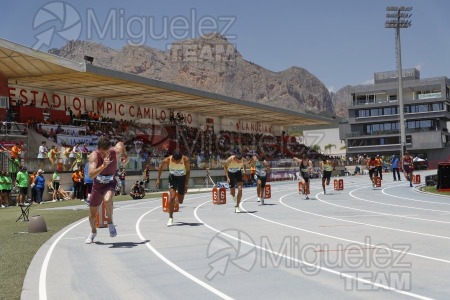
{"x":17,"y":246}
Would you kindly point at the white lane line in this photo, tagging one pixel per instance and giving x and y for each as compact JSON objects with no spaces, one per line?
{"x":338,"y":238}
{"x":83,"y":237}
{"x":372,"y":225}
{"x":416,"y":200}
{"x":396,"y":205}
{"x":358,"y":216}
{"x":386,"y":214}
{"x":174,"y":266}
{"x":340,"y":274}
{"x":45,"y":263}
{"x":43,"y":274}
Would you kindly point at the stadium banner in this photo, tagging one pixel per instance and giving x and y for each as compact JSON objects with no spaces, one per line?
{"x":110,"y":108}
{"x":67,"y":129}
{"x":72,"y":140}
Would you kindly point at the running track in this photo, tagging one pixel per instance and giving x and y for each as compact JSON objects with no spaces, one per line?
{"x":391,"y":242}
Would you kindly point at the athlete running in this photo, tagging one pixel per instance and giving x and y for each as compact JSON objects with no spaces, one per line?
{"x":233,"y":170}
{"x":408,"y":168}
{"x":326,"y":166}
{"x":305,"y":170}
{"x":179,"y":172}
{"x":261,"y":169}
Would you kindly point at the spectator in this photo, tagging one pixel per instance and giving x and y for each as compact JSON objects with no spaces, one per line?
{"x":16,"y":150}
{"x":73,"y":156}
{"x":3,"y":184}
{"x":55,"y":184}
{"x":39,"y":185}
{"x":33,"y":187}
{"x":87,"y":184}
{"x":65,"y":156}
{"x":146,"y":175}
{"x":22,"y":182}
{"x":7,"y":186}
{"x":121,"y":173}
{"x":53,"y":156}
{"x":137,"y":191}
{"x":42,"y":155}
{"x":76,"y":179}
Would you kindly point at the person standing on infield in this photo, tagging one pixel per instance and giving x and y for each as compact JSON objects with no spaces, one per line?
{"x":233,"y":170}
{"x":395,"y":161}
{"x":179,"y":172}
{"x":102,"y":168}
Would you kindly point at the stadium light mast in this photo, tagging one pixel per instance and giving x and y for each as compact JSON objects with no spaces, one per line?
{"x":398,"y":17}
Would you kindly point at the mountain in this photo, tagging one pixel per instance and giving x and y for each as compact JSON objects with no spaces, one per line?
{"x":212,"y":64}
{"x":341,"y":101}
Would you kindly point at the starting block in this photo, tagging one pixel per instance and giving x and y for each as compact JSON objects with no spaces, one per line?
{"x":267,"y":191}
{"x":416,"y":179}
{"x":219,"y":195}
{"x":102,"y":219}
{"x":165,"y":203}
{"x":338,"y":184}
{"x":377,"y":181}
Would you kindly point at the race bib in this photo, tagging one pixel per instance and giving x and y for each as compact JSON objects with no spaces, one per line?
{"x":104,"y":178}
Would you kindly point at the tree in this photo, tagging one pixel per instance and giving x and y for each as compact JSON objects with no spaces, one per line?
{"x":315,"y":148}
{"x":343,"y":147}
{"x":328,"y":147}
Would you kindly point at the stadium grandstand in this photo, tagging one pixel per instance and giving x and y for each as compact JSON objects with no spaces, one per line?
{"x":69,"y":105}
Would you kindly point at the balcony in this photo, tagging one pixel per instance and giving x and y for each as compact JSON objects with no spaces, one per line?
{"x":394,"y":132}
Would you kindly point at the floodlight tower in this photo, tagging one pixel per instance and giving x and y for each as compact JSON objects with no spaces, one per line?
{"x":398,"y":17}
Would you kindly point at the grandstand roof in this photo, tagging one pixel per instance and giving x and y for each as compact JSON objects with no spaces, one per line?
{"x":28,"y":67}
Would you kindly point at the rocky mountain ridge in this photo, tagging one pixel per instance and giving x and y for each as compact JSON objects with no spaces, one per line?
{"x":212,"y":64}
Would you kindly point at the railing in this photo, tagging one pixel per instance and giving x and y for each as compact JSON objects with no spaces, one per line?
{"x":136,"y":164}
{"x":387,"y":132}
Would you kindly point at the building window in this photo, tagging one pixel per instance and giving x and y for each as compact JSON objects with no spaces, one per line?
{"x":376,"y":141}
{"x":418,"y":108}
{"x":437,"y":106}
{"x":363,"y":113}
{"x":376,"y":112}
{"x":390,"y":111}
{"x":392,"y":97}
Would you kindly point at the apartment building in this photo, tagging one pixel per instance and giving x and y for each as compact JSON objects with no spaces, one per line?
{"x":373,"y":125}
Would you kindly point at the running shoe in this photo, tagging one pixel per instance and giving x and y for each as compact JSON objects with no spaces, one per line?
{"x":306,"y":198}
{"x":91,"y":237}
{"x":258,"y":200}
{"x":112,"y":230}
{"x":170,"y":222}
{"x":236,"y":209}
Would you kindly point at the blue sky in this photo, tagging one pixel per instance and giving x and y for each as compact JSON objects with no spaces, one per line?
{"x":341,"y":42}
